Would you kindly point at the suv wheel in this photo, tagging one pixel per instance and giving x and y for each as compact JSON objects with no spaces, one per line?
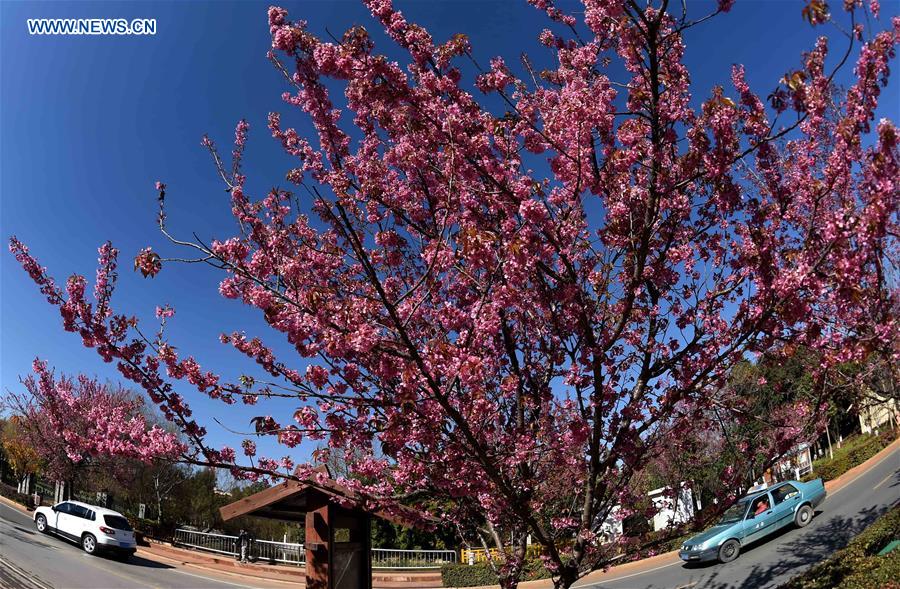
{"x":729,"y":551}
{"x":40,"y":522}
{"x":804,"y":516}
{"x":89,"y":543}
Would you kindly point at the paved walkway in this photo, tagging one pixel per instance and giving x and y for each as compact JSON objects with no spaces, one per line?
{"x":286,"y":573}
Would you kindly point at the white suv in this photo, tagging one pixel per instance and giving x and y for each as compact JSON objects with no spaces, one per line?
{"x":95,"y":528}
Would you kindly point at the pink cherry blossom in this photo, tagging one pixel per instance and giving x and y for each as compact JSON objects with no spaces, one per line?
{"x":503,"y":345}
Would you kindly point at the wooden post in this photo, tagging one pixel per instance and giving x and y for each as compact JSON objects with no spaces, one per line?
{"x":318,"y":546}
{"x":367,"y":550}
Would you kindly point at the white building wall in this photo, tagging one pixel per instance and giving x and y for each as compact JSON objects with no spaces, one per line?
{"x":672,"y":510}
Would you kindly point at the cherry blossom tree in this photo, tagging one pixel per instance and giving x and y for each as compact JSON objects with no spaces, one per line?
{"x":73,"y":423}
{"x":513,"y":311}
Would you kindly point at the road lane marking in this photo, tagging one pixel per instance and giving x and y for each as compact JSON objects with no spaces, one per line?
{"x":23,"y":576}
{"x":182,"y":563}
{"x":244,"y":585}
{"x":601,"y":581}
{"x":96,"y":565}
{"x":886,"y":479}
{"x":865,"y":472}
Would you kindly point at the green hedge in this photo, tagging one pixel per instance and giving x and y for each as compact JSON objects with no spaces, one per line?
{"x":478,"y":574}
{"x":463,"y":575}
{"x":853,"y":452}
{"x":857,"y":566}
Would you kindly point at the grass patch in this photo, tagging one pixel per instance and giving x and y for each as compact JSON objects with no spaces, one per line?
{"x":854,"y":451}
{"x":858,"y":566}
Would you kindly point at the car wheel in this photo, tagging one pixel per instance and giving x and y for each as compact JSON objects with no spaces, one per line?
{"x":40,"y":522}
{"x":729,"y":551}
{"x":804,"y":516}
{"x":89,"y":543}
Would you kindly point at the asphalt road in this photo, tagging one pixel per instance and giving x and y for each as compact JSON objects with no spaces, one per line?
{"x":774,"y":560}
{"x":31,"y":560}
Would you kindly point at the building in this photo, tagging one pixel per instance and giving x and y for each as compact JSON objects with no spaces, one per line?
{"x":793,"y":465}
{"x":611,"y":528}
{"x":876,"y":413}
{"x":672,"y":510}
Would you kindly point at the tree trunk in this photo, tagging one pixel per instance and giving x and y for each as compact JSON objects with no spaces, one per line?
{"x":830,"y":451}
{"x":158,"y":501}
{"x":567,"y":576}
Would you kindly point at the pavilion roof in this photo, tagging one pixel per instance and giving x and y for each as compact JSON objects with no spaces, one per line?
{"x":289,"y":501}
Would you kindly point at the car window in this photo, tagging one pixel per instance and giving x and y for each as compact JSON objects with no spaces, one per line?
{"x":735,"y":513}
{"x":78,"y":510}
{"x":118,"y":522}
{"x":64,"y":508}
{"x":784,"y":493}
{"x":760,"y":505}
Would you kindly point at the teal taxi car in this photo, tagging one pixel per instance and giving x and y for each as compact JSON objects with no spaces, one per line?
{"x":754,"y":517}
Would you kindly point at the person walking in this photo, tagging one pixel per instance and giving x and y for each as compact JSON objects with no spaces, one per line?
{"x":243,"y":541}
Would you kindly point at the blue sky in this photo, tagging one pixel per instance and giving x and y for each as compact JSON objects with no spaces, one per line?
{"x":89,"y":123}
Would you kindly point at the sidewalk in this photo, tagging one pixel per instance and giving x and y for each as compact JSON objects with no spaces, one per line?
{"x":16,"y":506}
{"x":295,"y":575}
{"x":165,"y":554}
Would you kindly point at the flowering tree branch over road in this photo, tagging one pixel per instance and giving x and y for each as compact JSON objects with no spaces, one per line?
{"x":520,"y":342}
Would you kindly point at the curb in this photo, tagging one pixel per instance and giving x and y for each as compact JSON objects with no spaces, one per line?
{"x":263,"y":572}
{"x":835,"y":485}
{"x":15,"y":505}
{"x":158,"y":558}
{"x":178,"y":554}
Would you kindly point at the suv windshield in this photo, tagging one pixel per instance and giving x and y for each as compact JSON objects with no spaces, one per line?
{"x":735,"y":513}
{"x":117,"y":522}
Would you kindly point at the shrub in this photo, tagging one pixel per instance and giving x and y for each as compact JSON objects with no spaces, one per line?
{"x":10,"y":493}
{"x":857,"y":566}
{"x":534,"y":569}
{"x":464,"y":575}
{"x":853,"y":452}
{"x":478,"y":574}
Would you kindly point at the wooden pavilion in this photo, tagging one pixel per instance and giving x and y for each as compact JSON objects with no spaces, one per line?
{"x":338,"y":539}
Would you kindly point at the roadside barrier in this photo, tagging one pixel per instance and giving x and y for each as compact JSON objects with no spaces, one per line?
{"x":387,"y":558}
{"x":290,"y":553}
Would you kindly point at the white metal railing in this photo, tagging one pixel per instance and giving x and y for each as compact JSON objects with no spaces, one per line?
{"x":279,"y":552}
{"x":386,"y":558}
{"x":264,"y":550}
{"x":206,"y":541}
{"x":286,"y":552}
